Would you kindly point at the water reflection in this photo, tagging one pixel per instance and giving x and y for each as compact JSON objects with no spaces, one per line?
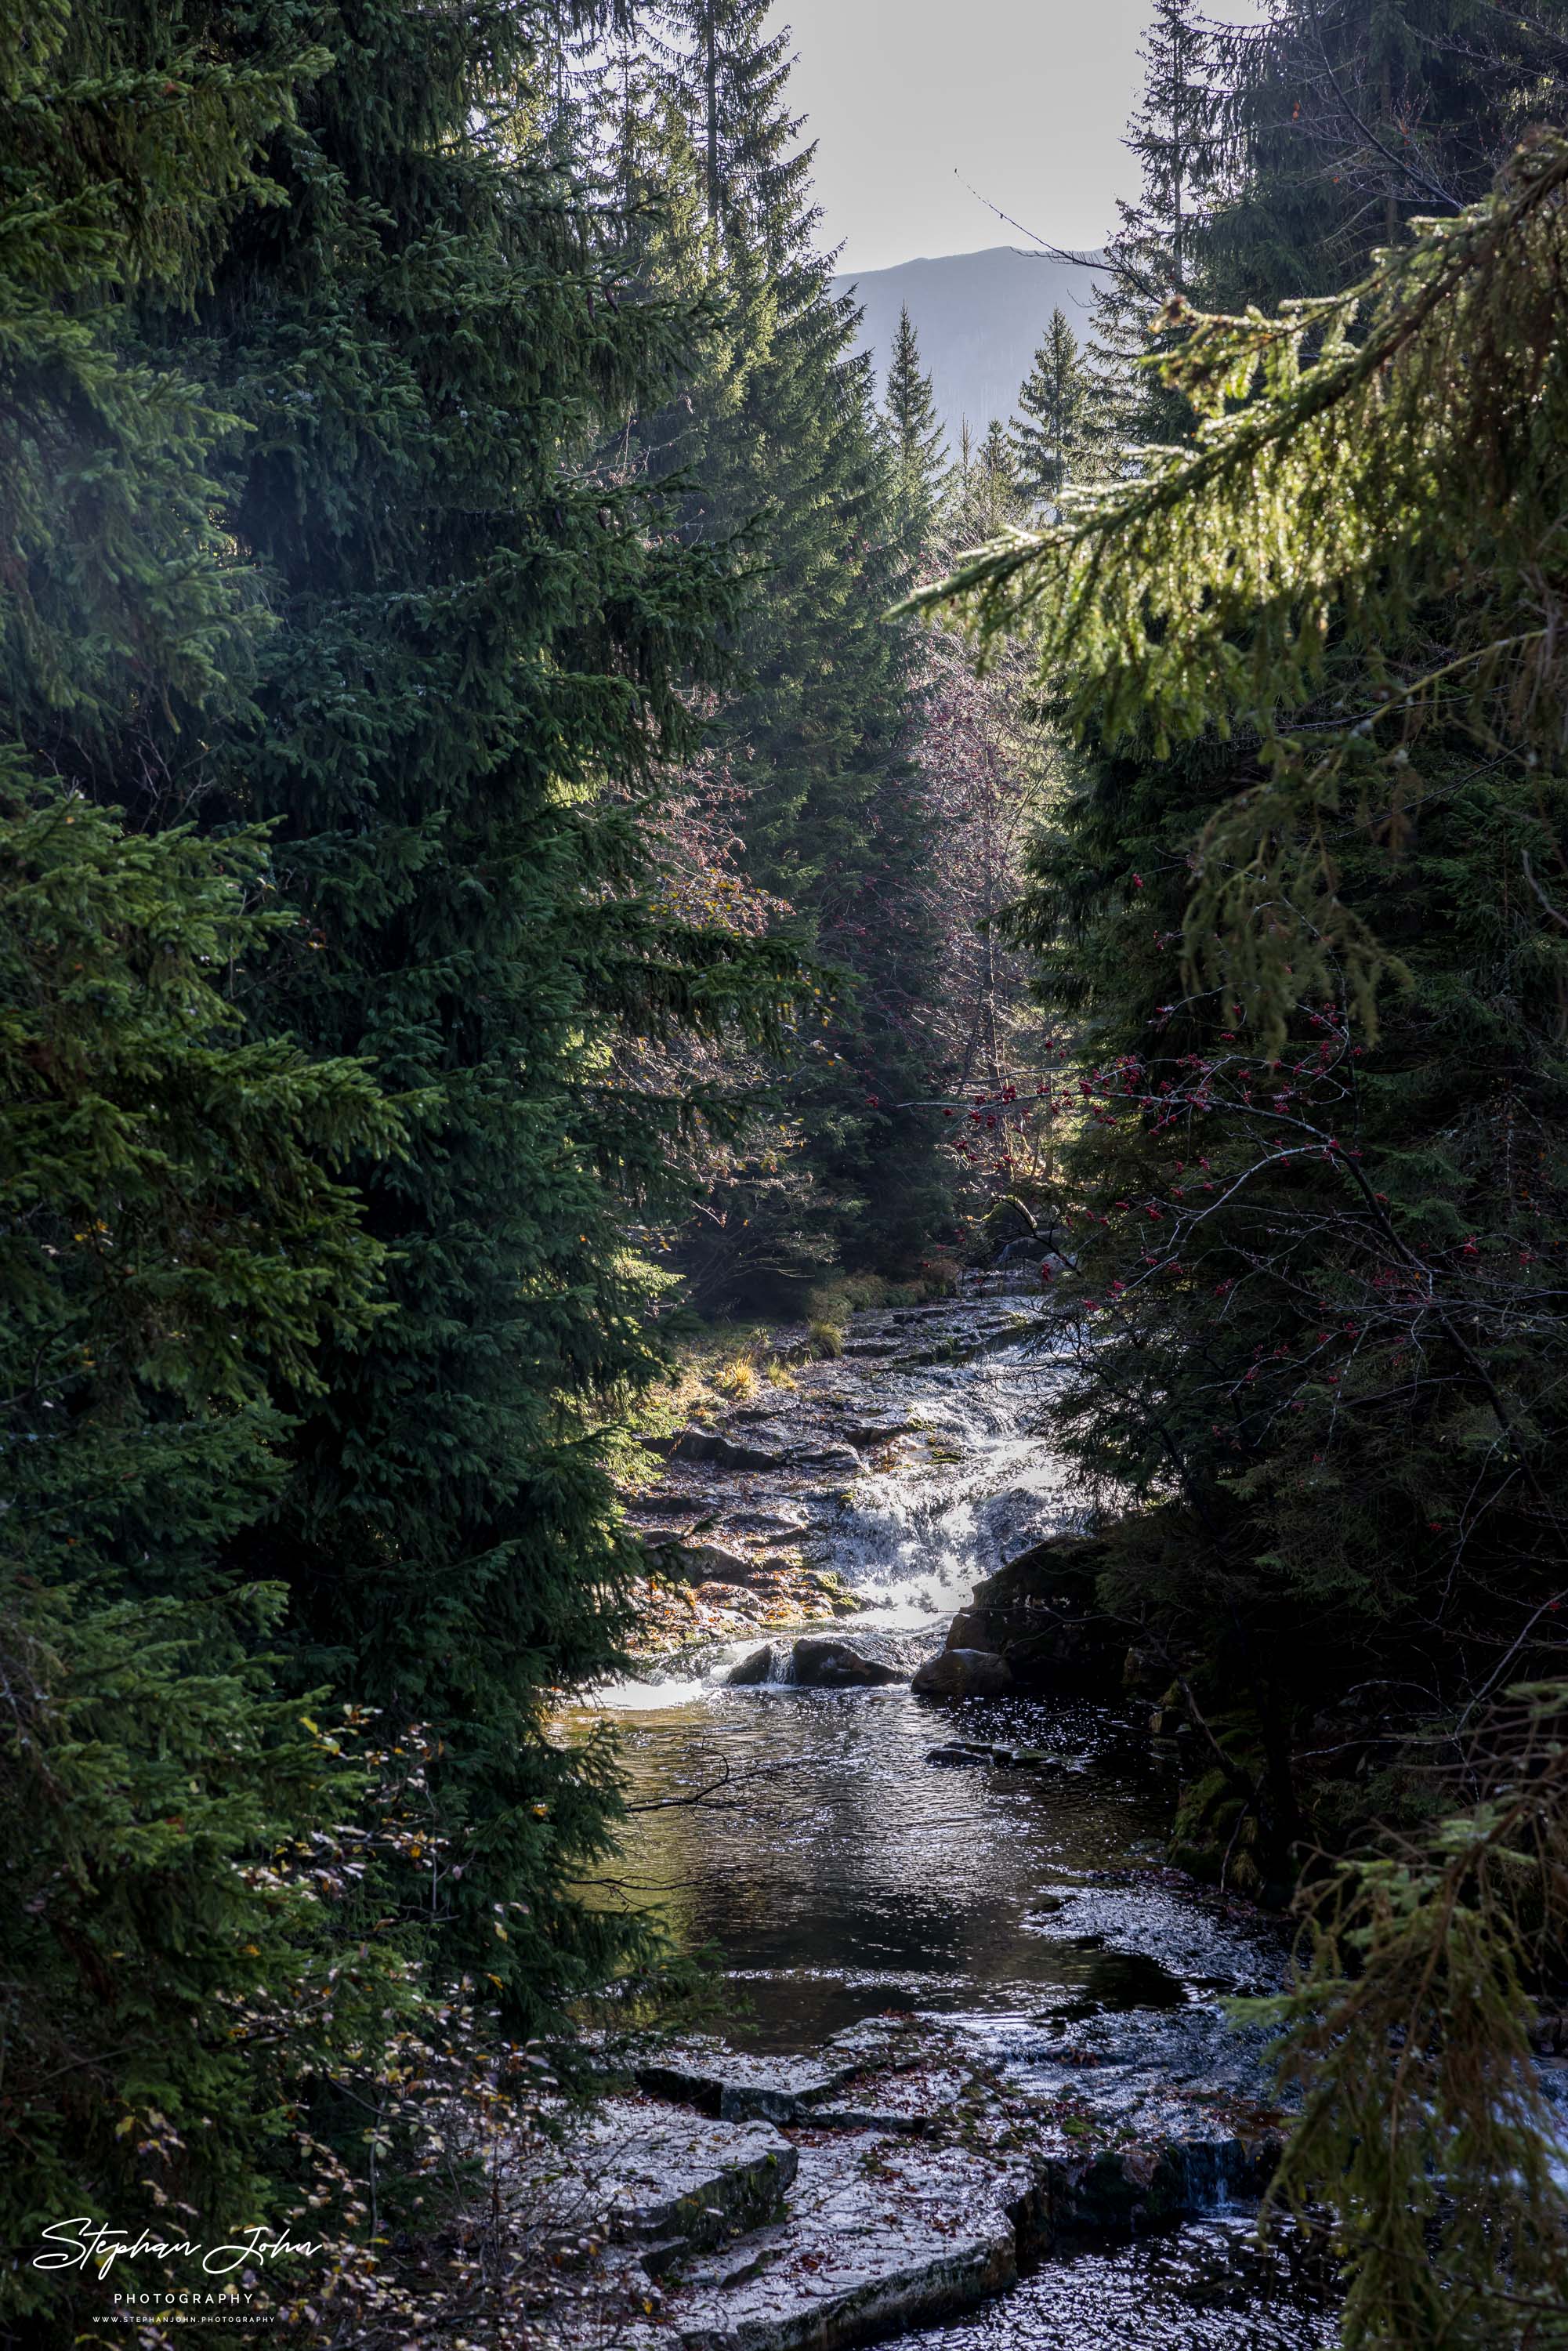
{"x":834,"y":1853}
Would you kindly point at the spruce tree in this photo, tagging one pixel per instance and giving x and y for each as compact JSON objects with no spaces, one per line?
{"x":732,"y":80}
{"x":988,"y":496}
{"x":917,"y":440}
{"x":1344,"y":123}
{"x":1050,"y":435}
{"x":1281,"y":907}
{"x":480,"y":659}
{"x":784,"y":444}
{"x":1329,"y":1318}
{"x":177,"y":1246}
{"x":1174,"y":135}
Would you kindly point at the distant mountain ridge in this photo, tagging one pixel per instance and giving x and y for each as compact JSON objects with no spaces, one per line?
{"x":979,"y":317}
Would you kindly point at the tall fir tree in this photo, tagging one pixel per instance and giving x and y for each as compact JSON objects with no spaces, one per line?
{"x":1050,"y":435}
{"x":1317,"y":665}
{"x":732,"y":78}
{"x":987,"y":495}
{"x":918,"y":444}
{"x":1323,"y":1530}
{"x":1342,"y":124}
{"x":177,"y":1245}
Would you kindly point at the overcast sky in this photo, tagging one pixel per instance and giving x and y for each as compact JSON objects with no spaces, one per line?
{"x":1026,"y":100}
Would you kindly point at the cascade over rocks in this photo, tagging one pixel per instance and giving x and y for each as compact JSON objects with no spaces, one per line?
{"x":745,"y":1502}
{"x":936,"y":2160}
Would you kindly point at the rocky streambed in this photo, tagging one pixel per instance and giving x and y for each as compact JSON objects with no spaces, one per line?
{"x":981,"y":2082}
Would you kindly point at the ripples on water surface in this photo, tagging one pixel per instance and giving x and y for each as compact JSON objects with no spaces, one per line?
{"x":839,"y":1873}
{"x":1208,"y":2286}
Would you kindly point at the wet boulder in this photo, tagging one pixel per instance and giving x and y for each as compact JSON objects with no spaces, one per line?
{"x":710,"y":1563}
{"x":757,"y":1450}
{"x":825,"y":1455}
{"x":780,"y":1518}
{"x":818,"y":1662}
{"x":865,"y":1430}
{"x":963,"y":1673}
{"x":752,"y":1670}
{"x":1040,"y":1613}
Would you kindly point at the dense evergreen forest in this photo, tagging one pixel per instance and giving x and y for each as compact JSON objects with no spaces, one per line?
{"x":584,"y":823}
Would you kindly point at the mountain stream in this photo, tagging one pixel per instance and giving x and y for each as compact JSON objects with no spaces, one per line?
{"x":842,"y":1876}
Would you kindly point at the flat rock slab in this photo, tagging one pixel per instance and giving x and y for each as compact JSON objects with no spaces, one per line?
{"x":660,"y":2173}
{"x":881,"y":2235}
{"x":1142,"y":2116}
{"x":919,"y":2097}
{"x":730,"y":2085}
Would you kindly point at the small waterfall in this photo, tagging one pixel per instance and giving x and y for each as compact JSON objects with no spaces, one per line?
{"x":915,"y":1539}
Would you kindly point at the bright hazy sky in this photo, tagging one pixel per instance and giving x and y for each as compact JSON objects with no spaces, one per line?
{"x":1027,"y":99}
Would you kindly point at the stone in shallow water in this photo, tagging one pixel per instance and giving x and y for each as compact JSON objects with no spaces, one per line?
{"x":820,"y":1663}
{"x":959,"y":1754}
{"x":752,"y":1670}
{"x":1006,"y":1759}
{"x":963,"y":1673}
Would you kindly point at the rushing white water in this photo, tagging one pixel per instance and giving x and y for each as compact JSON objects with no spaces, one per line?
{"x":912,"y":1540}
{"x":915,"y":1539}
